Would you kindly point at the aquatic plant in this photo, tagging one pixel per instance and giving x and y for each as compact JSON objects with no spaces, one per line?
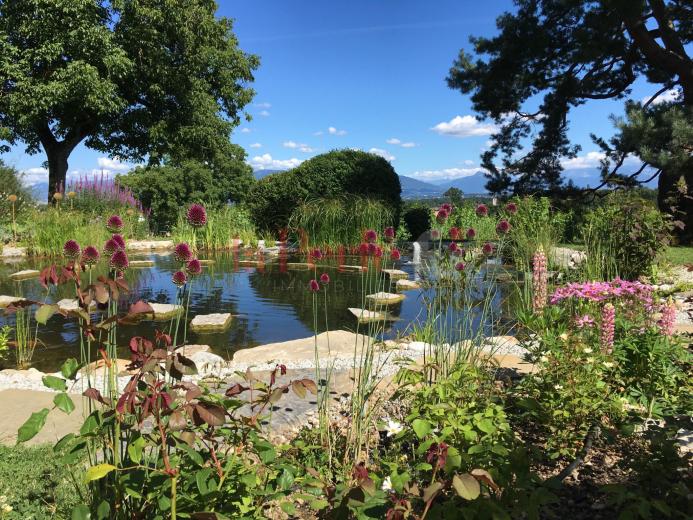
{"x":226,"y":228}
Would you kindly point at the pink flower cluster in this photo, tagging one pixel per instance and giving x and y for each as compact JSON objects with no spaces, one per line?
{"x":667,"y":323}
{"x":602,"y":291}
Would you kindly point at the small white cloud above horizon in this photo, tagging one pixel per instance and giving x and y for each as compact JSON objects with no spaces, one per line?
{"x":256,"y":145}
{"x":464,"y":126}
{"x":668,"y":96}
{"x":301,"y":147}
{"x":398,"y":142}
{"x":106,"y":163}
{"x":264,"y":106}
{"x":245,"y":130}
{"x":264,"y":113}
{"x":334,"y":131}
{"x":382,"y":153}
{"x":593,"y":160}
{"x":267,"y":162}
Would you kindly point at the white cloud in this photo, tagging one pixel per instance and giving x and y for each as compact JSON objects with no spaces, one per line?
{"x":398,"y":142}
{"x":668,"y":96}
{"x":589,"y":160}
{"x":393,"y":140}
{"x":33,"y":176}
{"x":264,"y":113}
{"x":245,"y":130}
{"x":264,"y":106}
{"x":464,"y":126}
{"x":445,"y":174}
{"x":256,"y":145}
{"x":113,"y":164}
{"x":383,"y":153}
{"x":333,"y":131}
{"x":319,"y":132}
{"x":302,"y":147}
{"x":408,"y":145}
{"x":267,"y":162}
{"x":468,"y":162}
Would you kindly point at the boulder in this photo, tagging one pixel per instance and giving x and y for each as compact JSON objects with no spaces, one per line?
{"x":217,"y":322}
{"x":567,"y":258}
{"x":395,"y":274}
{"x":165,"y":311}
{"x":25,"y":274}
{"x":148,"y":245}
{"x":6,"y":301}
{"x":13,"y":252}
{"x":366,"y":316}
{"x":207,"y":363}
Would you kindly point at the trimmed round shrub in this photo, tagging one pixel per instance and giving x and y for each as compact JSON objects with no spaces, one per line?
{"x":417,"y":220}
{"x":331,"y":175}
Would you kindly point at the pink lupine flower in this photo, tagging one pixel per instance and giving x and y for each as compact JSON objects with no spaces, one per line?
{"x":667,"y":323}
{"x":71,"y":249}
{"x":114,"y":224}
{"x":197,"y":215}
{"x":179,"y":278}
{"x":482,"y":210}
{"x":182,"y":253}
{"x":608,"y":327}
{"x":454,"y":233}
{"x":395,"y":255}
{"x":503,"y":227}
{"x":584,"y":321}
{"x":119,"y":261}
{"x":511,"y":208}
{"x":539,"y":280}
{"x":471,"y":233}
{"x":324,"y":278}
{"x":193,"y":267}
{"x":90,"y":255}
{"x":389,"y":234}
{"x":370,"y":236}
{"x":313,"y":286}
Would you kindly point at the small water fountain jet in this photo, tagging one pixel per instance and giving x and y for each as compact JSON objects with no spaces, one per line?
{"x":416,"y":258}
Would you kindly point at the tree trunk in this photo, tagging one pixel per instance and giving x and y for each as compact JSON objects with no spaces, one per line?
{"x":675,"y":197}
{"x":57,"y":169}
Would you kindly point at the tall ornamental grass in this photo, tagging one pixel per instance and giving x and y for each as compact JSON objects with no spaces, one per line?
{"x":339,"y":222}
{"x":224,"y":227}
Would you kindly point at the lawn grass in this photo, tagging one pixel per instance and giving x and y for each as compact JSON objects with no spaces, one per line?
{"x":36,"y":484}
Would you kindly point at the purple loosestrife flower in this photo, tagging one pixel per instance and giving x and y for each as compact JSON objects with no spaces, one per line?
{"x":114,"y":224}
{"x":539,"y":280}
{"x":193,"y":267}
{"x":179,"y":278}
{"x":471,"y":233}
{"x":503,"y":227}
{"x":370,"y":236}
{"x":389,"y":234}
{"x":119,"y":240}
{"x":182,"y":253}
{"x":324,"y":278}
{"x":119,"y":261}
{"x":608,"y":327}
{"x":111,"y":246}
{"x":71,"y":249}
{"x":667,"y":323}
{"x":197,"y":215}
{"x":511,"y":208}
{"x":395,"y":255}
{"x":313,"y":286}
{"x":482,"y":210}
{"x":90,"y":255}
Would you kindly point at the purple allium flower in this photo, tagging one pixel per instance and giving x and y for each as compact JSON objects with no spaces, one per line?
{"x":458,"y":252}
{"x":447,"y":207}
{"x":455,"y":233}
{"x":324,"y":278}
{"x":90,"y":255}
{"x":511,"y":208}
{"x":487,"y":249}
{"x":395,"y":255}
{"x":372,"y":248}
{"x":119,"y":240}
{"x":453,"y":247}
{"x":608,"y":327}
{"x":316,"y":253}
{"x":363,"y":249}
{"x":114,"y":224}
{"x":179,"y":278}
{"x":471,"y":233}
{"x":71,"y":249}
{"x":482,"y":210}
{"x":503,"y":227}
{"x":193,"y":267}
{"x":313,"y":286}
{"x":182,"y":253}
{"x":378,"y":252}
{"x":197,"y":215}
{"x":111,"y":246}
{"x":389,"y":234}
{"x":119,"y":260}
{"x":370,"y":236}
{"x":441,"y":216}
{"x":459,"y":266}
{"x":667,"y":323}
{"x":435,"y":234}
{"x":539,"y":280}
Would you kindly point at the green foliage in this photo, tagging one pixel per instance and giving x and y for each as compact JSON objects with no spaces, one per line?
{"x":331,"y":223}
{"x":465,"y":217}
{"x":417,"y":220}
{"x":134,"y":79}
{"x":11,"y":184}
{"x":52,"y":227}
{"x":36,"y":483}
{"x":224,"y":225}
{"x":624,"y":237}
{"x":330,"y":175}
{"x":4,"y":344}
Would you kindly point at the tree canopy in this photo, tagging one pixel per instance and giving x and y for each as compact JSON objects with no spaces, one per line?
{"x":140,"y":80}
{"x":551,"y":56}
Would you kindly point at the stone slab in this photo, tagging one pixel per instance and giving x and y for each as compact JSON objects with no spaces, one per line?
{"x":189,"y":350}
{"x":68,"y":305}
{"x":300,"y":266}
{"x":366,"y":316}
{"x":207,"y":262}
{"x":148,"y":245}
{"x":6,"y":301}
{"x":248,"y":263}
{"x":165,"y":311}
{"x":407,"y":285}
{"x":384,"y":298}
{"x":13,"y":252}
{"x":141,"y":263}
{"x":353,"y":268}
{"x":395,"y":274}
{"x":684,"y":328}
{"x":25,"y":274}
{"x":216,"y":322}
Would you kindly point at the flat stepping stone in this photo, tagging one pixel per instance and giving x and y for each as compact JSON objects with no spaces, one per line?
{"x":407,"y":285}
{"x":300,"y":266}
{"x":141,"y":263}
{"x":207,"y":262}
{"x":6,"y":301}
{"x":353,"y":268}
{"x":191,"y":350}
{"x":366,"y":316}
{"x":68,"y":305}
{"x":25,"y":274}
{"x":217,"y":322}
{"x":395,"y":274}
{"x":148,"y":245}
{"x":384,"y":298}
{"x":165,"y":311}
{"x":13,"y":252}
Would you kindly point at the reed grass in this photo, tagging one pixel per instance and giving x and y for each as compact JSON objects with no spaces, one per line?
{"x":225,"y":226}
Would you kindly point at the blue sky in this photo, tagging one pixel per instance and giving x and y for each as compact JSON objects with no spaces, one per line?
{"x":367,"y":74}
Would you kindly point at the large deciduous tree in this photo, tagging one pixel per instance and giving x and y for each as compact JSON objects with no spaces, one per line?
{"x":140,"y":80}
{"x":553,"y":55}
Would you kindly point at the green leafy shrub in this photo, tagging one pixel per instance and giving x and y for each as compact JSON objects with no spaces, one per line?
{"x":417,"y":220}
{"x":334,"y":174}
{"x":11,"y":185}
{"x":465,"y":217}
{"x":624,"y":237}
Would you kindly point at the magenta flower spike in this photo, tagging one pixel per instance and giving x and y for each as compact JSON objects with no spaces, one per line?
{"x":608,"y":327}
{"x":119,"y":261}
{"x":90,"y":255}
{"x":539,"y":280}
{"x":324,"y":278}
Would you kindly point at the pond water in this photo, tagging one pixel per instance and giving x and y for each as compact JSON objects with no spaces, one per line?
{"x":269,"y":304}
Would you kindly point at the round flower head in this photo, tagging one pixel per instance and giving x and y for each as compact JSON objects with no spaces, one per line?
{"x":372,"y":248}
{"x":193,"y":267}
{"x":378,"y":252}
{"x":182,"y":253}
{"x":370,"y":236}
{"x":363,"y":249}
{"x":511,"y":208}
{"x":447,"y":207}
{"x":71,"y":249}
{"x":395,"y":255}
{"x":453,"y":247}
{"x":458,"y":252}
{"x":114,"y":224}
{"x":482,"y":210}
{"x":441,"y":216}
{"x":71,"y":194}
{"x":90,"y":255}
{"x":119,"y":261}
{"x":471,"y":233}
{"x":118,"y":238}
{"x":389,"y":233}
{"x":111,"y":246}
{"x":57,"y":196}
{"x":435,"y":234}
{"x":324,"y":278}
{"x":197,"y":215}
{"x":12,"y":198}
{"x":459,"y":266}
{"x":316,"y":253}
{"x":455,"y":233}
{"x":313,"y":286}
{"x":487,"y":248}
{"x":503,"y":227}
{"x":179,"y":278}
